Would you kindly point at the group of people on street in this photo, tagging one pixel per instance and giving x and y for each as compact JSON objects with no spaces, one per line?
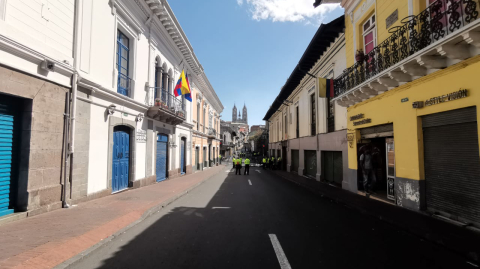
{"x":272,"y":163}
{"x":237,"y":164}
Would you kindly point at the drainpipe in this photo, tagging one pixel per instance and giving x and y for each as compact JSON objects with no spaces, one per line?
{"x":65,"y":151}
{"x":75,"y":77}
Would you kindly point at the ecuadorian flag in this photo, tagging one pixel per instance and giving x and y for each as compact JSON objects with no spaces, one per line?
{"x":325,"y":87}
{"x":183,"y":87}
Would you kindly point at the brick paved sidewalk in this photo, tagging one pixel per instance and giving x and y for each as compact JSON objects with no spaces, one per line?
{"x":464,"y":241}
{"x":49,"y":239}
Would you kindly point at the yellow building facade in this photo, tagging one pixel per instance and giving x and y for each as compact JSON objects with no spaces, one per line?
{"x":411,"y":92}
{"x":205,"y":133}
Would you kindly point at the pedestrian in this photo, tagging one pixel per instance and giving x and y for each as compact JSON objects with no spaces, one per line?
{"x":264,"y":162}
{"x":273,"y":163}
{"x":238,"y":166}
{"x":220,"y":158}
{"x":247,"y":166}
{"x":233,"y":161}
{"x":268,"y":163}
{"x":279,"y":163}
{"x":369,"y":178}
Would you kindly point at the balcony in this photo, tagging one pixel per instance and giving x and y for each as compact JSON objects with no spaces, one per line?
{"x":165,"y":107}
{"x":212,"y":133}
{"x":444,"y":34}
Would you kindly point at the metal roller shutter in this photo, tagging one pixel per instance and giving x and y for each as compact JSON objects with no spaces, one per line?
{"x":295,"y":160}
{"x":7,"y":117}
{"x":310,"y":163}
{"x":452,"y":163}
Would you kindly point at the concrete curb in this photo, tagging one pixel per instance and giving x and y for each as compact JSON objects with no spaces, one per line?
{"x":423,"y":235}
{"x":148,"y":213}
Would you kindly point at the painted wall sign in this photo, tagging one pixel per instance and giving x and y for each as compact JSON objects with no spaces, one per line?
{"x":445,"y":98}
{"x":141,"y":136}
{"x":405,"y":100}
{"x":357,"y":117}
{"x":364,"y":121}
{"x":392,"y":19}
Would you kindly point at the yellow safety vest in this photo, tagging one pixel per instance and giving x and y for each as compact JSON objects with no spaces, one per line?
{"x":264,"y":160}
{"x":247,"y":161}
{"x":238,"y":161}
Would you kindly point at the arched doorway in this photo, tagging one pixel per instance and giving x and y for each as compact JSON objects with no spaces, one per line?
{"x":161,"y":163}
{"x":120,"y":158}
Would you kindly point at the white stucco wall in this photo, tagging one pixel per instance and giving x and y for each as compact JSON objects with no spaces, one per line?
{"x":98,"y":154}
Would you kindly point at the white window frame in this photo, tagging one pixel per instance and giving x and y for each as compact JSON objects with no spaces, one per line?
{"x":371,"y":29}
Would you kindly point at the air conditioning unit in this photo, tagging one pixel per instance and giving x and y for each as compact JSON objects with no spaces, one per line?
{"x":48,"y":65}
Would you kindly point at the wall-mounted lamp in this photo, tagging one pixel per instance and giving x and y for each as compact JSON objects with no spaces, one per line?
{"x":111,"y":109}
{"x":139,"y":117}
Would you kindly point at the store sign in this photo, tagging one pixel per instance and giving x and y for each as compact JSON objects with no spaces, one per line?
{"x":357,"y":117}
{"x":141,"y":136}
{"x":441,"y":99}
{"x":364,"y":121}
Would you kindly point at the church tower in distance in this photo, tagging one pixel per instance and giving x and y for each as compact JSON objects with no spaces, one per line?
{"x":234,"y":113}
{"x":245,"y":116}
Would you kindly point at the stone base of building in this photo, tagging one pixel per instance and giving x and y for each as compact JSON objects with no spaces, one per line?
{"x":144,"y":182}
{"x":92,"y":196}
{"x":45,"y":209}
{"x":43,"y":199}
{"x":410,"y":193}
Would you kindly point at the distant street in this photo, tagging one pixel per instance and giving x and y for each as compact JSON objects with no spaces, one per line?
{"x":260,"y":221}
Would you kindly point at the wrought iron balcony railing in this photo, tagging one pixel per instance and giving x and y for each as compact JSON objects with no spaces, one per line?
{"x":124,"y":84}
{"x":166,"y":101}
{"x":441,"y":18}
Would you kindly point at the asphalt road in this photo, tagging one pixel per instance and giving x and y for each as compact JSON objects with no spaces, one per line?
{"x":261,"y":221}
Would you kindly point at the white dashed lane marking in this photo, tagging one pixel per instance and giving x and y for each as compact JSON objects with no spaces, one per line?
{"x":282,"y":258}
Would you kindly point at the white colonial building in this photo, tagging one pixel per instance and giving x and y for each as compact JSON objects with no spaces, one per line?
{"x":88,"y":87}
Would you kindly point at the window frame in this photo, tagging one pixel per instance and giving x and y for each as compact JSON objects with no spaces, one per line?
{"x":371,"y":29}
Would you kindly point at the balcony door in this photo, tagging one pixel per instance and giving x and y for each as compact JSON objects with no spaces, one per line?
{"x":123,"y":51}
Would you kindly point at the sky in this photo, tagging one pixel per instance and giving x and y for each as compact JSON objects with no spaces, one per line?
{"x":249,"y":48}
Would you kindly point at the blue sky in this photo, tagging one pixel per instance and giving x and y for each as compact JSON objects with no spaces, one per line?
{"x":248,"y":48}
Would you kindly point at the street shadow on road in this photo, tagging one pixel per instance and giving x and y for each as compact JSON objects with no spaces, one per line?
{"x":232,"y":231}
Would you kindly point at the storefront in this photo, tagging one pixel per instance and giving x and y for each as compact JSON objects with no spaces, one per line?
{"x":420,"y":141}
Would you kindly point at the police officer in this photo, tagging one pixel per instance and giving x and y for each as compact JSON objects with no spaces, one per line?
{"x":233,"y":161}
{"x":279,"y":163}
{"x":247,"y":166}
{"x":273,"y":163}
{"x":238,"y":166}
{"x":264,"y":162}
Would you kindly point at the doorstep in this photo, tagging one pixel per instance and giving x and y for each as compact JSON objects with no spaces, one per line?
{"x":12,"y":217}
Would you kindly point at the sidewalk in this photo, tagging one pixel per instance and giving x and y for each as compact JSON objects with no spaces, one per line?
{"x":463,"y":241}
{"x":47,"y":240}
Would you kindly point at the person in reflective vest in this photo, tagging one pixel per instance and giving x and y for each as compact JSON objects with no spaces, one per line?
{"x":273,"y":163}
{"x":264,"y":162}
{"x":233,"y":162}
{"x":220,"y":158}
{"x":279,"y":162}
{"x":238,"y":166}
{"x":247,"y":166}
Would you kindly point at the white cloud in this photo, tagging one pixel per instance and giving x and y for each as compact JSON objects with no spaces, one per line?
{"x":288,"y":10}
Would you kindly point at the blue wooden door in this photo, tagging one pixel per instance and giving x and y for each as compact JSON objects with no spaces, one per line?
{"x":161,"y":165}
{"x":6,"y":148}
{"x":182,"y":157}
{"x":121,"y":158}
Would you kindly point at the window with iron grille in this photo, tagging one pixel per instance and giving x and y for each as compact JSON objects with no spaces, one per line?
{"x":313,"y":113}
